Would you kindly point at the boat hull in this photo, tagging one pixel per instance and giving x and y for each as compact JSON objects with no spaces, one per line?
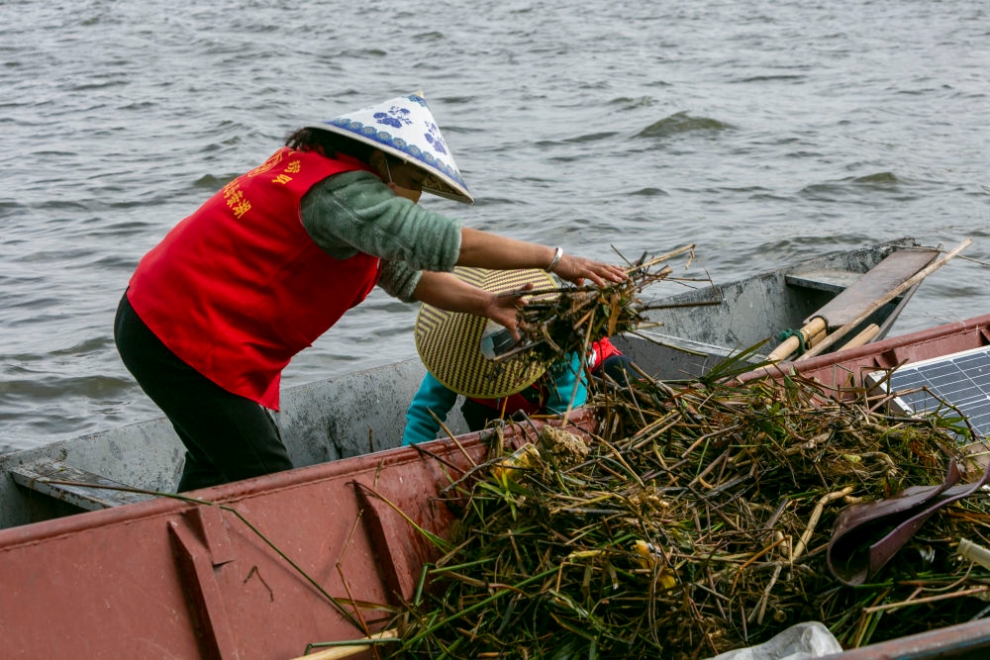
{"x":264,"y":567}
{"x":177,"y":578}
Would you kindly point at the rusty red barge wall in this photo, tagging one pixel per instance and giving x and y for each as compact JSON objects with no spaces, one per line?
{"x":173,"y":579}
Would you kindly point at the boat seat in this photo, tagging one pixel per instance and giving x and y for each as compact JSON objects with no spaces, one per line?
{"x":832,"y":281}
{"x":73,"y":485}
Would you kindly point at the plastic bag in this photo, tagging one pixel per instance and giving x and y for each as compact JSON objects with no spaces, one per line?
{"x":799,"y":642}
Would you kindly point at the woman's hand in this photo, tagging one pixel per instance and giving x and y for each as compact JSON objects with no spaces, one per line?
{"x":485,"y":250}
{"x":445,"y":291}
{"x":504,"y":309}
{"x":577,"y":269}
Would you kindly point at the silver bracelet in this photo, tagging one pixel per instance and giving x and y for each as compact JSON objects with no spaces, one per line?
{"x":557,"y":254}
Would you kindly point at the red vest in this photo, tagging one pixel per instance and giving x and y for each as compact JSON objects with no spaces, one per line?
{"x":239,"y":287}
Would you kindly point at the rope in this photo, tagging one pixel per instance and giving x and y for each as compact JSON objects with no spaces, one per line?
{"x":787,"y":334}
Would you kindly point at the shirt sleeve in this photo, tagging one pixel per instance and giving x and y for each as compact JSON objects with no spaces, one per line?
{"x":399,"y":280}
{"x":420,"y":425}
{"x":355,"y":212}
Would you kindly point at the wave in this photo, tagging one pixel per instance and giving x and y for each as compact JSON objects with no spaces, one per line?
{"x":680,"y":123}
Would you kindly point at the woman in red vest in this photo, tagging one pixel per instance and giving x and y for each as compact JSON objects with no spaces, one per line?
{"x":215,"y":311}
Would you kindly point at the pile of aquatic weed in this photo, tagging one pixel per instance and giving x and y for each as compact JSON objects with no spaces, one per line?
{"x":694,"y":523}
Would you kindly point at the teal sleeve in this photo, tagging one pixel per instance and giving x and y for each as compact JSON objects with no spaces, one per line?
{"x":420,"y":425}
{"x":568,"y":381}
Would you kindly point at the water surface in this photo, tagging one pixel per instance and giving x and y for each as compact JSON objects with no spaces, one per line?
{"x":762,"y":132}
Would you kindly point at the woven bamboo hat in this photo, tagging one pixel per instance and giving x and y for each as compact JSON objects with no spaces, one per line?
{"x":405,"y":128}
{"x":449,"y":343}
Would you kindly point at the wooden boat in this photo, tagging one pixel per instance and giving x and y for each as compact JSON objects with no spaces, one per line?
{"x":264,"y":567}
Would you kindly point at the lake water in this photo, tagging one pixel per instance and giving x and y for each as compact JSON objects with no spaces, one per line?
{"x":760,"y":131}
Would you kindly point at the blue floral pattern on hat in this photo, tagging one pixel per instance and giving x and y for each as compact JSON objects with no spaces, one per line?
{"x":433,"y":137}
{"x":395,"y":117}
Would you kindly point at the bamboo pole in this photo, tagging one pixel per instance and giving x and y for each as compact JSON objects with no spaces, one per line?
{"x":350,"y":649}
{"x":864,"y":336}
{"x":883,"y":300}
{"x":812,"y":329}
{"x":817,"y":337}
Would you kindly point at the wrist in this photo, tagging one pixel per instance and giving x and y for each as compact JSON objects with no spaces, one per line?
{"x":558,"y":254}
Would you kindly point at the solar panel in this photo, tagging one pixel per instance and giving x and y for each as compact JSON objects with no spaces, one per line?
{"x":961,"y":379}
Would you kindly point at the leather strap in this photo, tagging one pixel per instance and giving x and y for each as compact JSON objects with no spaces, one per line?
{"x":867,"y":536}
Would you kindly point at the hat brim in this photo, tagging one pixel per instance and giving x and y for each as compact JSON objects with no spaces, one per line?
{"x":449,"y":343}
{"x":436,"y":182}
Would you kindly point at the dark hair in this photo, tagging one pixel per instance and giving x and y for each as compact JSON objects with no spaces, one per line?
{"x":329,"y":144}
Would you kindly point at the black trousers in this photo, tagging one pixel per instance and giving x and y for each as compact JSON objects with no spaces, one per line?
{"x":227,"y":437}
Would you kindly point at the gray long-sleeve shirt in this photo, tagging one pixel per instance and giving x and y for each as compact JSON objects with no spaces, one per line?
{"x":355,"y":212}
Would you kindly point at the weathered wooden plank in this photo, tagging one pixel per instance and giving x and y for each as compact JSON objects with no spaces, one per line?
{"x":882,"y":279}
{"x":87,"y":490}
{"x":832,"y":281}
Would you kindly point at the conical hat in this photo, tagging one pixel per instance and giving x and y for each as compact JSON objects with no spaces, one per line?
{"x":404,"y":127}
{"x":449,"y":343}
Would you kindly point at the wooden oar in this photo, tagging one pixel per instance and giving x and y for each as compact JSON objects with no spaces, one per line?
{"x":883,"y":300}
{"x":818,"y":336}
{"x":850,"y":301}
{"x":864,"y":336}
{"x":810,"y":331}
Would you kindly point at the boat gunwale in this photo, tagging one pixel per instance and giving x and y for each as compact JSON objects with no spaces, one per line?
{"x":452,"y":452}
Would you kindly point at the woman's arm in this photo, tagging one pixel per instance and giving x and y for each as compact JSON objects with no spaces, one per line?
{"x":479,"y":248}
{"x":445,"y":291}
{"x":355,"y":212}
